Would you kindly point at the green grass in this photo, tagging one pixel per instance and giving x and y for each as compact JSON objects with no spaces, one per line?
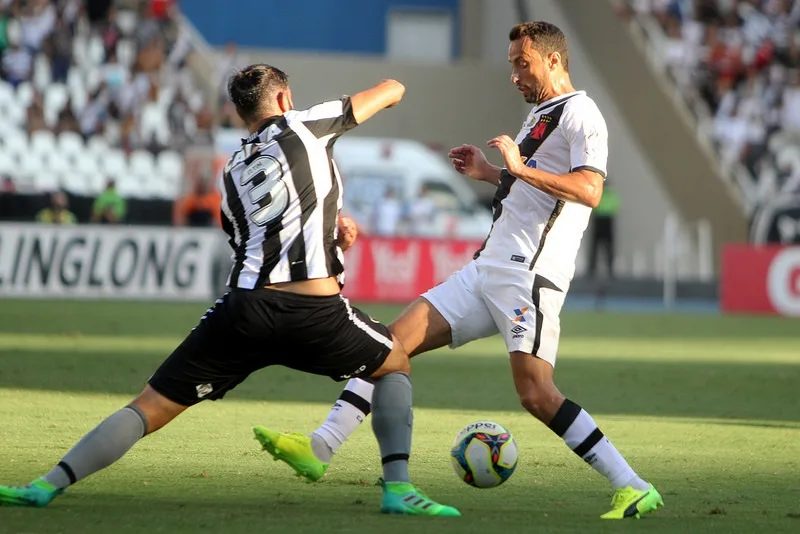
{"x":705,"y":407}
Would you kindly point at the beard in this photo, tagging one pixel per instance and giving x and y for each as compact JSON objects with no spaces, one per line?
{"x":532,"y":94}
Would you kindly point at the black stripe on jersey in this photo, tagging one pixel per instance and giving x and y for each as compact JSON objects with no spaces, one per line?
{"x":506,"y":181}
{"x":547,"y":227}
{"x":336,"y":125}
{"x":330,"y":211}
{"x":297,"y":154}
{"x":527,"y":148}
{"x":539,"y":283}
{"x":239,"y":219}
{"x":557,"y":102}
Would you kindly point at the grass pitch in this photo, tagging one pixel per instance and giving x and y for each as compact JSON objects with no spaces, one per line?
{"x":705,"y":407}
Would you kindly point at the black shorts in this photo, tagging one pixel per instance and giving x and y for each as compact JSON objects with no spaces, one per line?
{"x":247,"y":330}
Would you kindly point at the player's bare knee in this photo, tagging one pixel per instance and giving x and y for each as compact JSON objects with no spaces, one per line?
{"x":420,"y":328}
{"x":156,"y":408}
{"x":542,"y":403}
{"x":396,"y":362}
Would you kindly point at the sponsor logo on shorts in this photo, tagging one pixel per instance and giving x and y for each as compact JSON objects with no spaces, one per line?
{"x":517,"y":258}
{"x":520,"y":315}
{"x":203,"y":390}
{"x":517,"y":331}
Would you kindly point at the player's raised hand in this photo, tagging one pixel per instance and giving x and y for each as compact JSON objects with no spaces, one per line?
{"x":469,"y":161}
{"x":348,"y":231}
{"x":510,"y":152}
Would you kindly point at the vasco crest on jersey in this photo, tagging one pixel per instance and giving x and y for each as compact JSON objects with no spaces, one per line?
{"x":539,"y":129}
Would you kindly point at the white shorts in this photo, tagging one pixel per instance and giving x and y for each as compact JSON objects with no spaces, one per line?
{"x":523,"y":306}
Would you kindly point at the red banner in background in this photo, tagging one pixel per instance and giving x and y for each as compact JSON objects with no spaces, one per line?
{"x":399,"y":270}
{"x":761,"y":280}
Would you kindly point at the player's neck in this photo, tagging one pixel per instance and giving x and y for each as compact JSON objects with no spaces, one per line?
{"x":258,"y":125}
{"x":559,"y":86}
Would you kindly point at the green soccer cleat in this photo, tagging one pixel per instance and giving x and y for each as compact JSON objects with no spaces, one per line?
{"x":37,"y":494}
{"x":630,"y":503}
{"x":403,"y":498}
{"x":294,"y":449}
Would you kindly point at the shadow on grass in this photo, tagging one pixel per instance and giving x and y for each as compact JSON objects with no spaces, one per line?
{"x":176,"y":319}
{"x":652,"y":388}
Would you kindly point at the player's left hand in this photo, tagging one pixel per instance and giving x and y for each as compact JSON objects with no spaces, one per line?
{"x":348,"y":231}
{"x":510,"y":152}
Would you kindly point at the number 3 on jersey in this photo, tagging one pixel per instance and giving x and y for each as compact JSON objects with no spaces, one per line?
{"x":268,"y":190}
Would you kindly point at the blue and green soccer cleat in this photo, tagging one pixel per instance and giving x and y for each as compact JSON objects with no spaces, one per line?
{"x":403,"y":498}
{"x":294,"y":449}
{"x":630,"y":503}
{"x":37,"y":494}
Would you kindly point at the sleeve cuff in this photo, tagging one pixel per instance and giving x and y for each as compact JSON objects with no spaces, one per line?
{"x":589,"y":168}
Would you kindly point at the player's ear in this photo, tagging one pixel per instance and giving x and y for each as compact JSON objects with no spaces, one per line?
{"x":285,"y":101}
{"x":554,"y":60}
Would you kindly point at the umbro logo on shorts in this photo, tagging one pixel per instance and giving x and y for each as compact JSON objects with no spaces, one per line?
{"x":519,"y":329}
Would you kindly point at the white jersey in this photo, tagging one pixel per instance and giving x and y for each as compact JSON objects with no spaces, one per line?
{"x":532,"y":229}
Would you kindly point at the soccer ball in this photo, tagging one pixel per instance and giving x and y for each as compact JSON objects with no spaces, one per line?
{"x":484,"y":454}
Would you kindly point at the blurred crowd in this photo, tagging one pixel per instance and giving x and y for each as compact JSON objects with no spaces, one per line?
{"x":117,"y":71}
{"x":741,"y":59}
{"x":97,"y":99}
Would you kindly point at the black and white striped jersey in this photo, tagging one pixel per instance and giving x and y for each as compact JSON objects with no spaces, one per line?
{"x":281,"y":195}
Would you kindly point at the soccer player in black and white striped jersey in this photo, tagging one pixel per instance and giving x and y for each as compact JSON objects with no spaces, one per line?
{"x":281,"y":200}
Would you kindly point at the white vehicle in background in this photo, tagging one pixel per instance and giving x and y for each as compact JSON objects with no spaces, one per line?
{"x":371,"y":166}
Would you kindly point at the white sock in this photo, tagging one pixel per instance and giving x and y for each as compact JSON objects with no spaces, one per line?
{"x":581,"y":434}
{"x":347,"y":414}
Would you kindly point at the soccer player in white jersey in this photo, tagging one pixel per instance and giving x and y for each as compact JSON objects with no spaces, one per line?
{"x":553,"y":177}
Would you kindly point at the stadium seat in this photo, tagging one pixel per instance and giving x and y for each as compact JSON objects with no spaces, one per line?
{"x":16,"y":114}
{"x":7,"y":162}
{"x":74,"y":183}
{"x":43,"y":143}
{"x":127,"y":20}
{"x":42,"y":74}
{"x":55,"y":98}
{"x":79,"y":48}
{"x":56,"y":164}
{"x":165,"y":189}
{"x":70,"y":144}
{"x":97,"y":146}
{"x":31,"y":168}
{"x":170,"y":164}
{"x":788,"y":158}
{"x":15,"y":142}
{"x":86,"y":168}
{"x":113,"y":163}
{"x":25,"y":94}
{"x":6,"y":93}
{"x":142,"y":164}
{"x":130,"y":186}
{"x":153,"y":124}
{"x":126,"y":52}
{"x":46,"y":182}
{"x":95,"y":50}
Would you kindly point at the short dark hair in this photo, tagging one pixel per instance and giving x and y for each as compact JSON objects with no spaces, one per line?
{"x":251,"y":88}
{"x":547,"y":38}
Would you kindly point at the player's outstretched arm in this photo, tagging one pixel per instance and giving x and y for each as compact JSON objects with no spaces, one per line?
{"x":369,"y":102}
